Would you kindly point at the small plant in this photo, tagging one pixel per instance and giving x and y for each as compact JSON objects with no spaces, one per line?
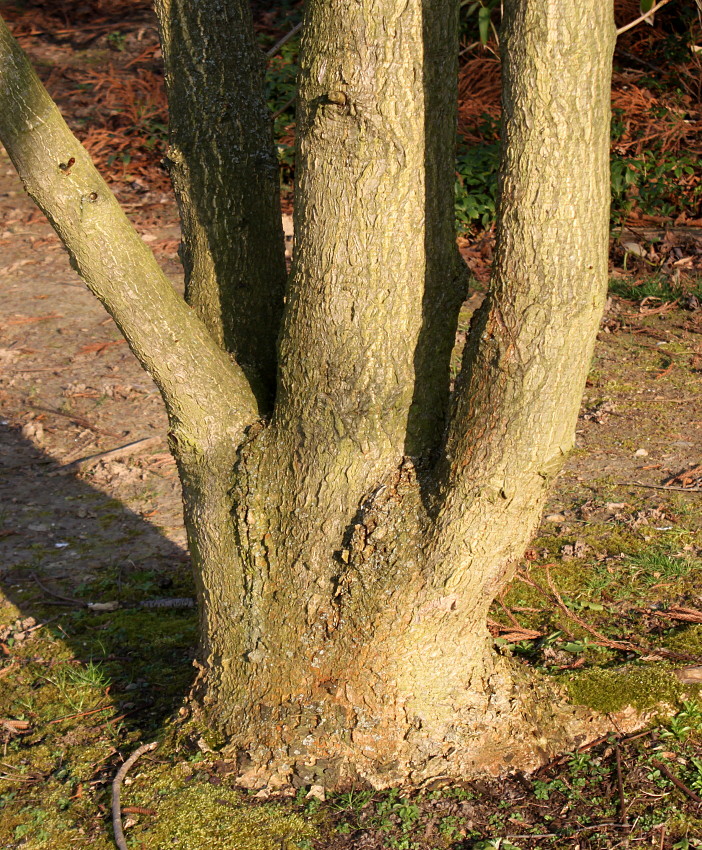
{"x":684,"y":723}
{"x":77,"y":684}
{"x":116,"y":40}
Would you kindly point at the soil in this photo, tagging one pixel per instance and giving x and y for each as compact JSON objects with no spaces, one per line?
{"x":70,"y":388}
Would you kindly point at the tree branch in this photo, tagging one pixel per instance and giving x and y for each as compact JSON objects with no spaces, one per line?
{"x":198,"y":382}
{"x":641,"y":18}
{"x":225,"y":173}
{"x":375,"y":290}
{"x":530,"y":346}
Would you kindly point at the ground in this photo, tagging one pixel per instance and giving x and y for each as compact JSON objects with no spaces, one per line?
{"x":97,"y":628}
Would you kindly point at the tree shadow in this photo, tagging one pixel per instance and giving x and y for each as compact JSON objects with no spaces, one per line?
{"x":61,"y":537}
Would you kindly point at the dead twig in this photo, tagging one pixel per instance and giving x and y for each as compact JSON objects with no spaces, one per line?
{"x":662,"y":487}
{"x":674,"y":779}
{"x":68,"y":600}
{"x":117,"y":785}
{"x":84,"y":423}
{"x":602,"y":640}
{"x":284,"y":40}
{"x":6,"y":670}
{"x":620,"y":785}
{"x":113,"y":454}
{"x":643,"y":17}
{"x":80,"y":714}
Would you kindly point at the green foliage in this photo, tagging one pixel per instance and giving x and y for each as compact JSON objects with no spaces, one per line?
{"x":281,"y":89}
{"x":656,"y":184}
{"x":476,"y":185}
{"x":659,"y":286}
{"x":117,"y":40}
{"x":478,"y":19}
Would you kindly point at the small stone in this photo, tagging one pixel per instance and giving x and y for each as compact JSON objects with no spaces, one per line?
{"x":554,"y":518}
{"x":316,"y":792}
{"x":641,"y":453}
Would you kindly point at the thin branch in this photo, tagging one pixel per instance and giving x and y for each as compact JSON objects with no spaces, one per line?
{"x":678,"y":784}
{"x":68,"y":600}
{"x":284,"y":40}
{"x":662,"y":487}
{"x":116,"y":786}
{"x":638,"y":20}
{"x":113,"y":454}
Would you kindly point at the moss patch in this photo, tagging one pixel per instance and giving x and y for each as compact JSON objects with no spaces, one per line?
{"x":613,"y":689}
{"x":688,"y":640}
{"x":198,"y":814}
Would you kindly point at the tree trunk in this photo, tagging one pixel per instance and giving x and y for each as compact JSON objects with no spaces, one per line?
{"x":367,"y":575}
{"x":347,"y":548}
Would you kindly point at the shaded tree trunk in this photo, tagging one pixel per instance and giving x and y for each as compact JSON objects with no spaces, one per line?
{"x":348,"y":539}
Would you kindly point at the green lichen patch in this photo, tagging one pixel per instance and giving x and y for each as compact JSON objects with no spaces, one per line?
{"x":642,"y":686}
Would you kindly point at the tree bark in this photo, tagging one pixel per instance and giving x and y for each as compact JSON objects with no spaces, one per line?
{"x":225,"y":173}
{"x":369,"y":578}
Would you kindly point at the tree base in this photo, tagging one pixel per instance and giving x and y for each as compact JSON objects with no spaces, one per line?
{"x":520,"y":722}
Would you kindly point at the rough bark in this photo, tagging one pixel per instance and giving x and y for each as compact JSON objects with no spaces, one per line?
{"x":225,"y":173}
{"x":372,"y":577}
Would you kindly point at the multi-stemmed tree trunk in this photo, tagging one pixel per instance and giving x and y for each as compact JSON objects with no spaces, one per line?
{"x":350,"y":518}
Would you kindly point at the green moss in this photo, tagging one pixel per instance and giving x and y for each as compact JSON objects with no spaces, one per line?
{"x":687,"y":640}
{"x":198,"y":814}
{"x":613,"y":689}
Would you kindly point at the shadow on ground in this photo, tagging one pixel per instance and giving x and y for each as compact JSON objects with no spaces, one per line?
{"x":62,"y":537}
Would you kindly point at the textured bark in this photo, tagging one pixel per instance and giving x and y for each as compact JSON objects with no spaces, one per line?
{"x":225,"y":173}
{"x":379,"y":602}
{"x":530,"y":346}
{"x":345,"y":556}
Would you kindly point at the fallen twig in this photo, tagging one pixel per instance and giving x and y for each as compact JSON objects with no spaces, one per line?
{"x":662,"y":487}
{"x":620,"y":785}
{"x":113,"y":454}
{"x":674,"y":779}
{"x":68,"y":600}
{"x":80,"y":714}
{"x":602,"y":640}
{"x":84,"y":423}
{"x":9,"y":669}
{"x":16,"y":727}
{"x":686,"y":615}
{"x":116,"y":786}
{"x":138,"y":810}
